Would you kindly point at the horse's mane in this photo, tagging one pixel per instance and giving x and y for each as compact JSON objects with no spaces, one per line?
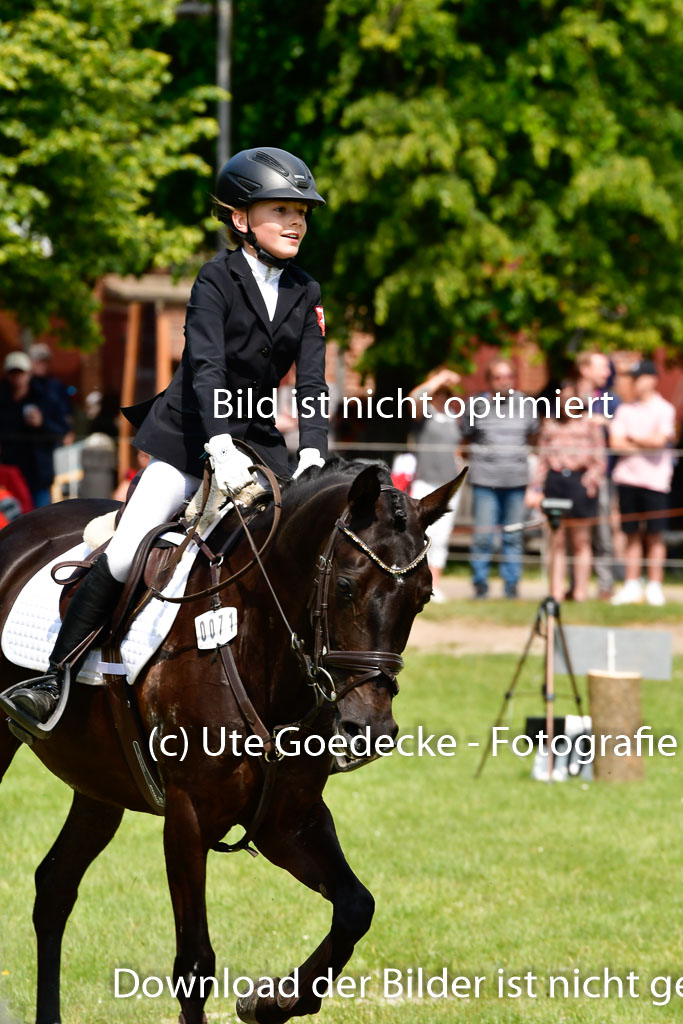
{"x":342,"y":471}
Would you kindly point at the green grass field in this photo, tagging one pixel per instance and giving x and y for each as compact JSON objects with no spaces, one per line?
{"x":589,"y":613}
{"x":474,"y":876}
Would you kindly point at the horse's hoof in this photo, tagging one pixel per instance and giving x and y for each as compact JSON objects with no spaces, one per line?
{"x":245,"y":1008}
{"x":181,"y":1019}
{"x":273,"y":1009}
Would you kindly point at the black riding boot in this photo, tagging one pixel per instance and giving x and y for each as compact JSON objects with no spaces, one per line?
{"x":90,"y":606}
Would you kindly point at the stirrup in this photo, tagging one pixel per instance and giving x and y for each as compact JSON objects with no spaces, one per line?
{"x":23,"y":721}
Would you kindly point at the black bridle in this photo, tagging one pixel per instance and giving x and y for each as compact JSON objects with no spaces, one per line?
{"x":362,"y":665}
{"x":318,"y":670}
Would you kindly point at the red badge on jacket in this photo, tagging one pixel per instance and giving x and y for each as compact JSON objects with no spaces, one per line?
{"x":320,"y":313}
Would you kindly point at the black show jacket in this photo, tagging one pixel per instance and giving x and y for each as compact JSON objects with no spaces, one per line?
{"x":230,"y":343}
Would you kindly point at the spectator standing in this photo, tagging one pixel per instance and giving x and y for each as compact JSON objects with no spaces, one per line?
{"x":40,"y":355}
{"x":643,"y":430}
{"x":499,"y":473}
{"x":571,"y":465}
{"x":31,"y":426}
{"x":437,"y":436}
{"x":594,"y":373}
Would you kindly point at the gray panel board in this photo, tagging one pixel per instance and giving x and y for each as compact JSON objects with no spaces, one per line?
{"x":647,"y":651}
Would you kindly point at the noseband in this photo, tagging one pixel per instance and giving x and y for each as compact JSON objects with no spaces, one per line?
{"x":361,"y":665}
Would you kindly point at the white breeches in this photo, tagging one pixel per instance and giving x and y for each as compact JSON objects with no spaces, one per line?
{"x":160,"y":492}
{"x":440,"y":531}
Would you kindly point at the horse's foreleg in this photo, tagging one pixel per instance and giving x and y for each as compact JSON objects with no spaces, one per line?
{"x":89,"y":827}
{"x":311,"y":852}
{"x":9,"y":745}
{"x":186,"y":869}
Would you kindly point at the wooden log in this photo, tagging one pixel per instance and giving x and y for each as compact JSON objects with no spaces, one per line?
{"x":616,"y":711}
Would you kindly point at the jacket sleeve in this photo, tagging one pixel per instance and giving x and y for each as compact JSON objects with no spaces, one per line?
{"x":54,"y":425}
{"x":205,"y":344}
{"x":311,"y":388}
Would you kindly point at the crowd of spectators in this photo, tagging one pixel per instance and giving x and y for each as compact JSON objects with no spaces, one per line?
{"x":612,"y":459}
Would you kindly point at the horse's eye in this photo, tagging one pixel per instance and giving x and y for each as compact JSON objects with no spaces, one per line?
{"x":344,"y":588}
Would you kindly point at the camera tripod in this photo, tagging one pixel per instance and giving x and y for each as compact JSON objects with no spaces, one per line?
{"x":548,"y":611}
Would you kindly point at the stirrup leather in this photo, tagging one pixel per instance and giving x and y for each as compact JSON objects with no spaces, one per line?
{"x":40,"y":730}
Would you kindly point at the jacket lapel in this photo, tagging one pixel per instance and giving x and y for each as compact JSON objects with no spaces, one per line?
{"x":239,"y":266}
{"x":289,"y":293}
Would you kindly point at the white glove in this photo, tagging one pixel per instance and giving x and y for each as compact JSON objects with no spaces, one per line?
{"x":230,"y":466}
{"x":307,"y":457}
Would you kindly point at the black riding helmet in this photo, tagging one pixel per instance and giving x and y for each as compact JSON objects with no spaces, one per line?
{"x":266,"y":173}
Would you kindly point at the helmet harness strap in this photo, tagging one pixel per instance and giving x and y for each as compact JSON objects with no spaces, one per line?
{"x":262,"y":254}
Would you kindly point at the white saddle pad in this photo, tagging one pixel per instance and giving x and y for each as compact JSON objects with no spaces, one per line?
{"x":31,"y":628}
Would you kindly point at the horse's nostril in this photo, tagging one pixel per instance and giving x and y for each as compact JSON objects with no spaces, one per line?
{"x":351,"y":729}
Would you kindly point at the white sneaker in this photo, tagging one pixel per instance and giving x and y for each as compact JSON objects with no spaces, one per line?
{"x":653,"y":594}
{"x":630,"y":593}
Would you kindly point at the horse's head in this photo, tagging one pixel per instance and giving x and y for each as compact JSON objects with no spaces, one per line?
{"x":373,"y":580}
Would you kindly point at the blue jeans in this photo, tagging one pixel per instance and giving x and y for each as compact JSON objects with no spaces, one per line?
{"x":495,"y":507}
{"x":41,"y":497}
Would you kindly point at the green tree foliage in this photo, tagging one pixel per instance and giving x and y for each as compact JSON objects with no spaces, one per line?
{"x":277,"y":66}
{"x":496,"y":167}
{"x":85,"y":137}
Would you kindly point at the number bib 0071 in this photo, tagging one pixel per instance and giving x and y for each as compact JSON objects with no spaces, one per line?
{"x":215,"y":628}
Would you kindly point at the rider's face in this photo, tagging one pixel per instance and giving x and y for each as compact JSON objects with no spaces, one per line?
{"x":279,"y":225}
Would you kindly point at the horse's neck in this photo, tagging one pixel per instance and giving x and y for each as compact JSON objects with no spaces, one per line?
{"x":310,"y":526}
{"x":299,"y":544}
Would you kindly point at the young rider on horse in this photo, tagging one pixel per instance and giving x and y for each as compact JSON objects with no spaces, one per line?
{"x":251,"y":314}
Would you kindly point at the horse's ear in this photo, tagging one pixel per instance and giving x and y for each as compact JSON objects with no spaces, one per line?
{"x":365,"y":491}
{"x":435,"y":505}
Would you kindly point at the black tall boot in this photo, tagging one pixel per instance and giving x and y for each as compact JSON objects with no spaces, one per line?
{"x":91,"y":604}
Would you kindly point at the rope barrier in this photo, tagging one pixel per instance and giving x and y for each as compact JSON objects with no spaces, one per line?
{"x":413,"y":449}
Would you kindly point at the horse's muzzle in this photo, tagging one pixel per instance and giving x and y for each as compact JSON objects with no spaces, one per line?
{"x":367,"y":727}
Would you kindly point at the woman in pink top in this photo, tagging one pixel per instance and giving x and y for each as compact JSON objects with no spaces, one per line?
{"x":643,"y":431}
{"x":571,"y":465}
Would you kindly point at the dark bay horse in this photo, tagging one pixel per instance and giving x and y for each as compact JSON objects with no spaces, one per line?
{"x":378,"y":581}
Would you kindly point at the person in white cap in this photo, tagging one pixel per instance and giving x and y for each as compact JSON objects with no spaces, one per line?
{"x":41,"y":367}
{"x":31,"y":426}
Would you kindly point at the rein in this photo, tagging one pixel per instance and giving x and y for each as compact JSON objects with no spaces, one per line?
{"x":219,"y":584}
{"x":325,"y":661}
{"x":318,"y":670}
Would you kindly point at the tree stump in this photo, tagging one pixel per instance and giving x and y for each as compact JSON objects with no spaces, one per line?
{"x":616,"y":711}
